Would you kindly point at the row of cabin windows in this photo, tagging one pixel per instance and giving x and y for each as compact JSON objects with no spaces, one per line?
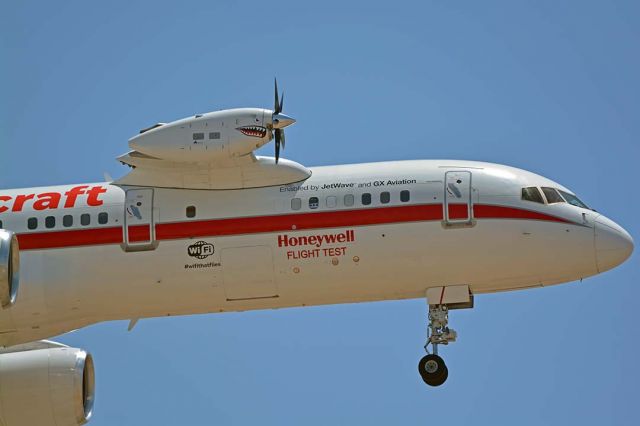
{"x":67,"y":220}
{"x":331,"y":201}
{"x":200,"y":136}
{"x":349,"y":200}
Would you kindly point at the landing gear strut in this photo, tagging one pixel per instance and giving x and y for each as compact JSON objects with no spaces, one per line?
{"x":431,"y":367}
{"x":441,"y":300}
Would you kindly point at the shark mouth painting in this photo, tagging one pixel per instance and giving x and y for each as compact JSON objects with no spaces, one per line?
{"x":253,"y":131}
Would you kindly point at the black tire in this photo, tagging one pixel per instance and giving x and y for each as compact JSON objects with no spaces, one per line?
{"x":436,"y":380}
{"x":433,"y":370}
{"x":439,"y":380}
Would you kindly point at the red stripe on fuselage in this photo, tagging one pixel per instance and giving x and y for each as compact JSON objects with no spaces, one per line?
{"x":277,"y":223}
{"x":139,"y":233}
{"x":458,"y":211}
{"x":299,"y":221}
{"x":70,"y":238}
{"x":488,"y":211}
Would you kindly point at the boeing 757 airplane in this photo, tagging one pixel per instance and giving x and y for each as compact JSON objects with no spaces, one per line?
{"x":201,"y":224}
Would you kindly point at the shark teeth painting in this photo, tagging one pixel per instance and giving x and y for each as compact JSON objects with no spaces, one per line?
{"x":254,"y":131}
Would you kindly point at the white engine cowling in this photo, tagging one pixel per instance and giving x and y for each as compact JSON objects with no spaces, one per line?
{"x":9,"y":268}
{"x":210,"y":137}
{"x":52,"y":386}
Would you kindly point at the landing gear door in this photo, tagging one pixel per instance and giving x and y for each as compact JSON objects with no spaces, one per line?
{"x":458,"y":203}
{"x":248,"y":273}
{"x":139,"y":229}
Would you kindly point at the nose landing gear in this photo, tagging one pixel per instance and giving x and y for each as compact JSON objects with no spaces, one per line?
{"x":432,"y":367}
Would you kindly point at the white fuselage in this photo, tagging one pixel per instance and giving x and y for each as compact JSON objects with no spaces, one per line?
{"x":130,"y":252}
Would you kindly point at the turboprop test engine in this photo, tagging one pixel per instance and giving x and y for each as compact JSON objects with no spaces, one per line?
{"x":215,"y":136}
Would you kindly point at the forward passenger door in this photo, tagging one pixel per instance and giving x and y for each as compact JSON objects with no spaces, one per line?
{"x":139,"y":229}
{"x":458,"y":202}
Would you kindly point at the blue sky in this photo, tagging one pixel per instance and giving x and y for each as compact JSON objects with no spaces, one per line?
{"x":548,"y":86}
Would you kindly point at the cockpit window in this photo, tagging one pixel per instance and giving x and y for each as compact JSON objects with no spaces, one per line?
{"x":532,"y":193}
{"x":572,"y":199}
{"x":552,"y":195}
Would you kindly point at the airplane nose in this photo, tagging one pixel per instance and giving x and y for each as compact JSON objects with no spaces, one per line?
{"x":614,"y":245}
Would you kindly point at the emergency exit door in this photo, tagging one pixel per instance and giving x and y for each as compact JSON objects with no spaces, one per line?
{"x":458,"y":204}
{"x":139,"y":229}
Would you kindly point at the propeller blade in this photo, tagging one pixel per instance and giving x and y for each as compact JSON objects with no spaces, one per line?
{"x":277,"y":106}
{"x":279,"y":120}
{"x":278,"y":136}
{"x":281,"y":102}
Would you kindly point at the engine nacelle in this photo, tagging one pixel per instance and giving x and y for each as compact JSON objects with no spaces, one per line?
{"x":207,"y":137}
{"x":52,"y":386}
{"x":9,"y":268}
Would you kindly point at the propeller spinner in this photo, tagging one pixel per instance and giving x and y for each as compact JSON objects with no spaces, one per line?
{"x":280,"y":121}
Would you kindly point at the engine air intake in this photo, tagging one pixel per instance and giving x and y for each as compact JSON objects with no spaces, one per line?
{"x":9,"y":268}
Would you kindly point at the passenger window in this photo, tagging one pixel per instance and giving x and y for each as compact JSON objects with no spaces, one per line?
{"x":532,"y":193}
{"x":314,"y":203}
{"x":198,"y":136}
{"x":405,"y":196}
{"x":49,"y":222}
{"x":296,"y":204}
{"x":191,"y":211}
{"x":67,"y":220}
{"x":32,"y":223}
{"x":214,"y":135}
{"x":385,"y":197}
{"x":349,"y":200}
{"x":103,"y":218}
{"x":552,"y":195}
{"x":85,"y":219}
{"x":366,"y":199}
{"x":332,"y":201}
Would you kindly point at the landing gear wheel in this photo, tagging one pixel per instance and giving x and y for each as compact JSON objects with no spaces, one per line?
{"x":433,"y":370}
